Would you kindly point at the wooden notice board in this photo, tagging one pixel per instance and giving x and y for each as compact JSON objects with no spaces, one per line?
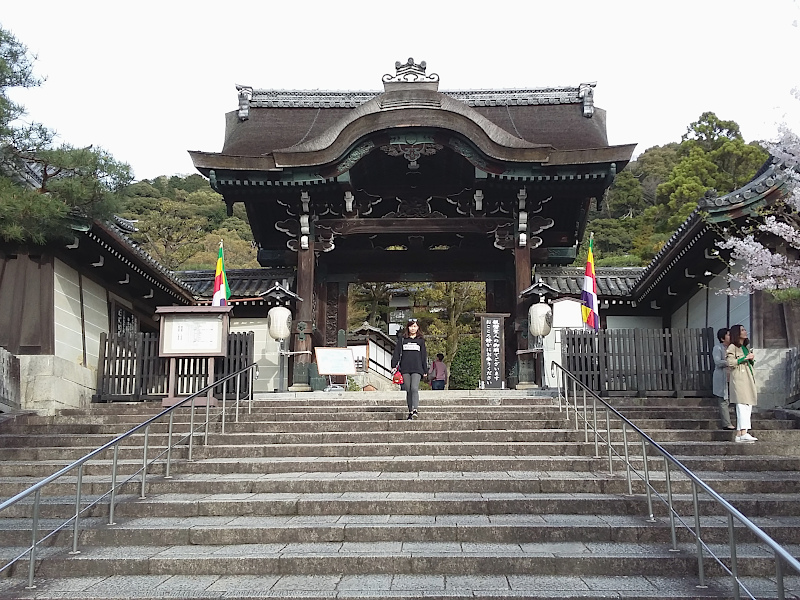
{"x":335,"y":361}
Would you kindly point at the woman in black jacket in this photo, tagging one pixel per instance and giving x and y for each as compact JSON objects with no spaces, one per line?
{"x":411,"y":359}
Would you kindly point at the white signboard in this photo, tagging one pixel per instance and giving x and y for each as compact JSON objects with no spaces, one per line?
{"x":335,"y":361}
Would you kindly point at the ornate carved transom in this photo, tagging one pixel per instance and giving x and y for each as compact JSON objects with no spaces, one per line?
{"x":411,"y":148}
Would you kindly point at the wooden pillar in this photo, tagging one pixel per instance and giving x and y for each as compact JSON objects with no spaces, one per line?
{"x":526,"y":363}
{"x":304,"y":319}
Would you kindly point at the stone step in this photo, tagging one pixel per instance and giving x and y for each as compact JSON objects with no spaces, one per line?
{"x":387,"y":503}
{"x":392,"y":558}
{"x":415,"y":482}
{"x":441,"y":463}
{"x":477,"y":528}
{"x":369,"y":585}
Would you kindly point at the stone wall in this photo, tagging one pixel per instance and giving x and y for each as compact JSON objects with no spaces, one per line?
{"x":9,"y":381}
{"x":772,"y":374}
{"x":49,"y":383}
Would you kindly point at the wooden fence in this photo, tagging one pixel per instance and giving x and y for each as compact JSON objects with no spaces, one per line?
{"x":130,"y":368}
{"x":9,"y":380}
{"x":622,"y":362}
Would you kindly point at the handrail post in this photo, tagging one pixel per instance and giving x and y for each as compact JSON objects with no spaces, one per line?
{"x":77,"y":512}
{"x":627,"y":458}
{"x":34,"y":535}
{"x":144,"y":461}
{"x":575,"y":397}
{"x":650,"y":518}
{"x":224,"y":397}
{"x":734,"y":568}
{"x":113,"y":485}
{"x":251,"y":374}
{"x":779,"y":576}
{"x":697,"y":533}
{"x":594,"y":421}
{"x":238,"y":387}
{"x":191,"y":429}
{"x":169,"y":445}
{"x":585,"y":420}
{"x":668,"y":480}
{"x":208,"y":416}
{"x":608,"y":443}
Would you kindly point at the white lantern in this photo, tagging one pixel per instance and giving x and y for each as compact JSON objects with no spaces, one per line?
{"x":540,"y":319}
{"x":279,"y":322}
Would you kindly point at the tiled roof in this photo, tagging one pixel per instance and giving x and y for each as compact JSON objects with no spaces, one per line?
{"x":351,"y":99}
{"x":611,"y":281}
{"x":120,"y":236}
{"x":244,"y":283}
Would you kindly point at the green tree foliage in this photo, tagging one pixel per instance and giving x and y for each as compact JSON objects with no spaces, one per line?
{"x":656,"y":193}
{"x":465,"y":368}
{"x":451,"y":306}
{"x":180,"y":221}
{"x":371,"y":303}
{"x":46,"y":190}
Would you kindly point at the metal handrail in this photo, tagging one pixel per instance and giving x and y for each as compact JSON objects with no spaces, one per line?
{"x":252,"y":372}
{"x":780,"y":554}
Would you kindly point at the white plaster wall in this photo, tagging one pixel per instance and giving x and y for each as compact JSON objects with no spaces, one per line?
{"x":717,"y":304}
{"x":678,"y":318}
{"x":633,"y":322}
{"x":697,"y":309}
{"x":69,"y":332}
{"x":96,"y":319}
{"x":67,"y":314}
{"x":265,"y":352}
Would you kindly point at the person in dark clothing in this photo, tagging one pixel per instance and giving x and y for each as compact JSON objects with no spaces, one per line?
{"x":411,"y":359}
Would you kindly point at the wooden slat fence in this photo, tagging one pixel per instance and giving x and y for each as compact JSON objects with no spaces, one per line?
{"x":130,"y":368}
{"x":793,"y":376}
{"x":619,"y":362}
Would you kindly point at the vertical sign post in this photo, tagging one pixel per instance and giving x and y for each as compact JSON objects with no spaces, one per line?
{"x":493,"y":356}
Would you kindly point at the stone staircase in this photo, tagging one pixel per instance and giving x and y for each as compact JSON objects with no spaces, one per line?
{"x":486,"y":495}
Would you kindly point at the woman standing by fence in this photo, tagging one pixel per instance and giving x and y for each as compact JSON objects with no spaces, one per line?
{"x":743,"y":382}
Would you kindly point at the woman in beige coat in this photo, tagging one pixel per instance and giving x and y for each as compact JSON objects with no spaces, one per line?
{"x":742,"y":381}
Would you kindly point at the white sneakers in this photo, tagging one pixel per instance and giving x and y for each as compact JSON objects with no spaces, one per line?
{"x":746,"y":439}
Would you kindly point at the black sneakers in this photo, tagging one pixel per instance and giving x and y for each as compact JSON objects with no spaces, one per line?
{"x":414,"y":414}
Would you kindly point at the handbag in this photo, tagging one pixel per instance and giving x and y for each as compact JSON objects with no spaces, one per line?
{"x":397,"y":378}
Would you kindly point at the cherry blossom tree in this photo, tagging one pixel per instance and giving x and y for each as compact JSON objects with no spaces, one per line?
{"x":774,"y":269}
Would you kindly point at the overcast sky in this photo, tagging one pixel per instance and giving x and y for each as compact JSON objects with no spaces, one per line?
{"x":149,"y":80}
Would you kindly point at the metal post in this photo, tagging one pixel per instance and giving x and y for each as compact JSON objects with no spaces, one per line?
{"x":779,"y":576}
{"x":238,"y":387}
{"x":169,"y":444}
{"x":697,"y":532}
{"x":608,"y":440}
{"x":208,"y":416}
{"x":113,"y":486}
{"x":585,"y":420}
{"x":281,"y":367}
{"x":34,"y":536}
{"x":594,"y":419}
{"x":191,"y":429}
{"x":734,"y":569}
{"x":224,"y":397}
{"x":668,"y":479}
{"x":575,"y":397}
{"x":650,"y":517}
{"x":77,"y":512}
{"x":251,"y":373}
{"x":144,"y":461}
{"x":627,"y":458}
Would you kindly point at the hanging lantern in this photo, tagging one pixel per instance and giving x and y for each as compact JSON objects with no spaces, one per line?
{"x":279,"y":322}
{"x":540,"y":319}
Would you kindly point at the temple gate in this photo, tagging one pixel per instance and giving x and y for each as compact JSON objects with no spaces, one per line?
{"x":413,"y":184}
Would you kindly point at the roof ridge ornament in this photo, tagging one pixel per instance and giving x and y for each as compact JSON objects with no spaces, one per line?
{"x":409,"y":74}
{"x":586,"y":93}
{"x":245,"y":95}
